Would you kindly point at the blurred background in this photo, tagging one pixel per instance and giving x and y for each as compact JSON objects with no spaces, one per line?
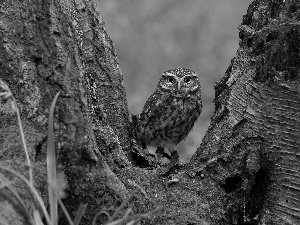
{"x":152,"y":36}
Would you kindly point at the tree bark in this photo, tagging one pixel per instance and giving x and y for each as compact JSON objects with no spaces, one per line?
{"x":246,"y":170}
{"x":51,"y":46}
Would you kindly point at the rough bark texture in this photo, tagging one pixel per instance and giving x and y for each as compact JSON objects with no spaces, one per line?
{"x":47,"y":46}
{"x":246,"y":171}
{"x":251,"y":150}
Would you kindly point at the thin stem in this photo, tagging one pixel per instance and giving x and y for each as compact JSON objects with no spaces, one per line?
{"x":24,"y":143}
{"x":8,"y":96}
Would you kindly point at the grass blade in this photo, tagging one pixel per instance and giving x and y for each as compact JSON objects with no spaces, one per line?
{"x":79,"y":214}
{"x":37,"y":218}
{"x":98,"y":214}
{"x":65,"y":211}
{"x":11,"y":101}
{"x":51,"y":165}
{"x":24,"y":143}
{"x":32,"y":189}
{"x":14,"y":191}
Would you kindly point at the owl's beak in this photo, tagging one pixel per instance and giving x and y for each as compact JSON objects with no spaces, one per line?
{"x":178,"y":86}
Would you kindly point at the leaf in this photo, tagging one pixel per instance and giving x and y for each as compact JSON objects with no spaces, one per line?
{"x":51,"y":165}
{"x":37,"y":218}
{"x":79,"y":214}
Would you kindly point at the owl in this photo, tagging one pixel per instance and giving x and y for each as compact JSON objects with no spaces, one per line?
{"x":171,"y":111}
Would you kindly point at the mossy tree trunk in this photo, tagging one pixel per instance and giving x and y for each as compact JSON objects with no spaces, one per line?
{"x":51,"y":46}
{"x":247,"y":169}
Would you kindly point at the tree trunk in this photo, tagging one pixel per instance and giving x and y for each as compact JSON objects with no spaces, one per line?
{"x":245,"y":171}
{"x":51,"y":46}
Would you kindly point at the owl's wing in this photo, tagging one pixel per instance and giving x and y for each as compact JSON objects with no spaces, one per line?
{"x":199,"y":105}
{"x":152,"y":105}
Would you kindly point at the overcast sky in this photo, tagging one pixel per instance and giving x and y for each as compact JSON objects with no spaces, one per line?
{"x":152,"y":36}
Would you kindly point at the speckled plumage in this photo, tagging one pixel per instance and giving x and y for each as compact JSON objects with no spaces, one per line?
{"x":171,"y":111}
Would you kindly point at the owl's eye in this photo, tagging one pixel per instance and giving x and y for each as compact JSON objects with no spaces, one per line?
{"x":187,"y":79}
{"x":171,"y":80}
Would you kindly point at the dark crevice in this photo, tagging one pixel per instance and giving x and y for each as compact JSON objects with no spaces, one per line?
{"x":256,"y":200}
{"x":258,"y":193}
{"x":231,"y":184}
{"x":141,"y":159}
{"x":273,"y":35}
{"x":38,"y":148}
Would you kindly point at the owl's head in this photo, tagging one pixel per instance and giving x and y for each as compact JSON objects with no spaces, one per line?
{"x":179,"y":82}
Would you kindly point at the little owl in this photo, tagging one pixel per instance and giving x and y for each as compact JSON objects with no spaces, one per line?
{"x":171,"y":111}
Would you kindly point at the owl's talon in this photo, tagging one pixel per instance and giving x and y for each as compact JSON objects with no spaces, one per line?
{"x":158,"y":164}
{"x":165,"y":170}
{"x":162,"y":171}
